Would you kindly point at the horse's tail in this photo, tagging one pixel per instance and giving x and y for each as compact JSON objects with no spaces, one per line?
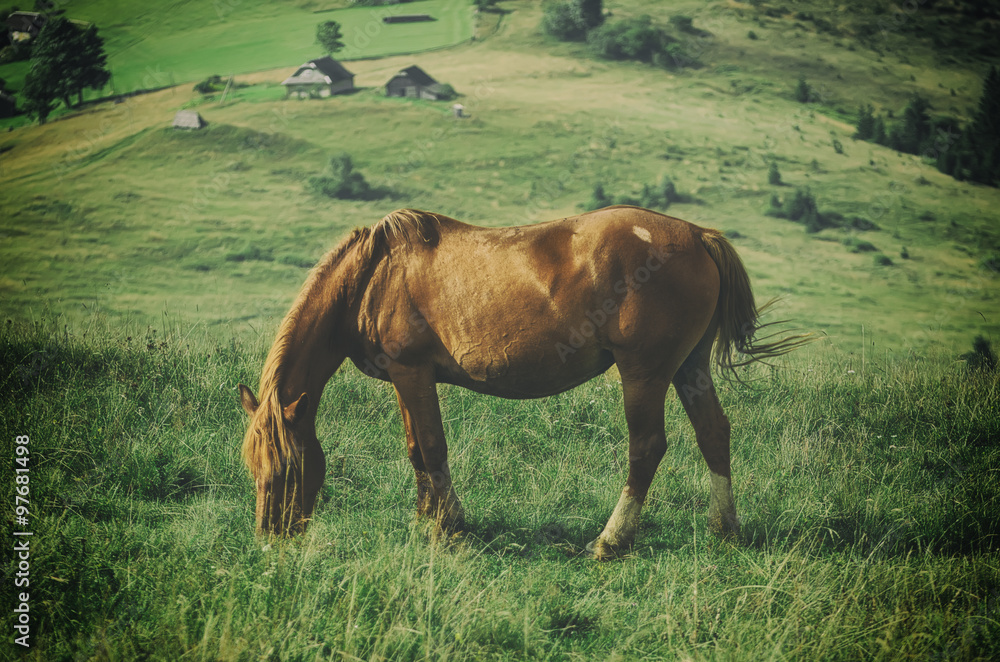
{"x":737,"y":314}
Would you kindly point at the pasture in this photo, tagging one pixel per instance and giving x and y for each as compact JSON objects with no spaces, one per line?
{"x":868,"y":502}
{"x":144,"y":271}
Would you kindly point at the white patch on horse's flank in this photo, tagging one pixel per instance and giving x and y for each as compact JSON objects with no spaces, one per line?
{"x":643,"y":234}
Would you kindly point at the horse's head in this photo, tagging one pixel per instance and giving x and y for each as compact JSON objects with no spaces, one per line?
{"x":285,"y":459}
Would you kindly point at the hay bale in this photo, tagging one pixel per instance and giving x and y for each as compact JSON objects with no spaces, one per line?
{"x":188,"y":119}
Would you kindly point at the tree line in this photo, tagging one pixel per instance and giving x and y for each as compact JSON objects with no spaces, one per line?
{"x":969,"y":153}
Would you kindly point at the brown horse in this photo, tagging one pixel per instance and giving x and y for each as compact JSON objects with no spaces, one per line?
{"x":516,"y":312}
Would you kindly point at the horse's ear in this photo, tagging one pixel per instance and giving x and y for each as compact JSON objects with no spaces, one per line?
{"x":295,"y":411}
{"x":248,"y":400}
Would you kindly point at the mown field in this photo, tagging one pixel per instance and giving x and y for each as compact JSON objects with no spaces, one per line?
{"x":144,"y":271}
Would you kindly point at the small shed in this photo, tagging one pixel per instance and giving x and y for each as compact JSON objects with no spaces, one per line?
{"x":415,"y":83}
{"x":322,"y":77}
{"x":188,"y":119}
{"x":24,"y":25}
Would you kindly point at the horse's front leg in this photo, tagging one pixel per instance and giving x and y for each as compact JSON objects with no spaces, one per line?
{"x":426,"y":445}
{"x":426,"y":503}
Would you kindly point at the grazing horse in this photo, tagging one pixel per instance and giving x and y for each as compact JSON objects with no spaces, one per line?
{"x":516,"y":312}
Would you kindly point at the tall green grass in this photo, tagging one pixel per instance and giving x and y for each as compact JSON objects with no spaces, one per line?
{"x":868,"y":498}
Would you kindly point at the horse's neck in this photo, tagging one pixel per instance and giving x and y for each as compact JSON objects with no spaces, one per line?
{"x":314,"y":345}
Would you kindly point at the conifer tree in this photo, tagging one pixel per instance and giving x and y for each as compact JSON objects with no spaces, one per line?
{"x":866,"y":122}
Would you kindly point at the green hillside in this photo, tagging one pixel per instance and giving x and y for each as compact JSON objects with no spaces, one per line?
{"x":136,"y":201}
{"x":144,"y":271}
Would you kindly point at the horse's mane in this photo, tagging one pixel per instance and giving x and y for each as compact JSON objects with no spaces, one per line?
{"x":267,"y":445}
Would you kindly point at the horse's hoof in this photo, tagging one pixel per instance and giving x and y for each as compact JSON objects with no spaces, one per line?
{"x":599,"y":550}
{"x":724,"y":527}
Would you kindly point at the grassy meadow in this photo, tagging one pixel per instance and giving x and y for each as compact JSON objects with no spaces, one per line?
{"x":868,"y":502}
{"x":144,"y":271}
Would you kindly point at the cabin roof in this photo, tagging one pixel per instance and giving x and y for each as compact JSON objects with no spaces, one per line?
{"x":321,"y":70}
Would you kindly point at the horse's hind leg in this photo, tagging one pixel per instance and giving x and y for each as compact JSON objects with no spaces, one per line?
{"x":646,"y":445}
{"x":693,"y":381}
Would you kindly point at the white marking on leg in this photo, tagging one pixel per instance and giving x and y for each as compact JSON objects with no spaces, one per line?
{"x":722,"y":508}
{"x":623,"y":523}
{"x":643,"y":234}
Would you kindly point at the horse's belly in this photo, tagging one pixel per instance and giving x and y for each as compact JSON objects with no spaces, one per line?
{"x":531,"y":374}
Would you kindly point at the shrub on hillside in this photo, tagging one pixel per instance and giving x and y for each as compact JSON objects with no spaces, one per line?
{"x":570,"y":21}
{"x":208,"y":85}
{"x":15,"y":52}
{"x":860,"y":246}
{"x":598,"y":199}
{"x":640,"y":40}
{"x":343,"y":182}
{"x":652,"y":196}
{"x":773,"y":174}
{"x":447,"y":92}
{"x":803,"y":91}
{"x":982,"y":358}
{"x":794,"y":208}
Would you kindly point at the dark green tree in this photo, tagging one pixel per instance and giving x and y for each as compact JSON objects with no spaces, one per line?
{"x":803,"y":92}
{"x":39,"y":95}
{"x":773,"y":174}
{"x":92,"y":72}
{"x":591,"y":12}
{"x":344,"y":182}
{"x":330,"y":37}
{"x":982,"y":358}
{"x":571,"y":20}
{"x":866,"y":122}
{"x":986,"y":123}
{"x":916,"y":125}
{"x":563,"y":21}
{"x":66,"y":60}
{"x":984,"y":133}
{"x":878,"y":132}
{"x":629,"y":39}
